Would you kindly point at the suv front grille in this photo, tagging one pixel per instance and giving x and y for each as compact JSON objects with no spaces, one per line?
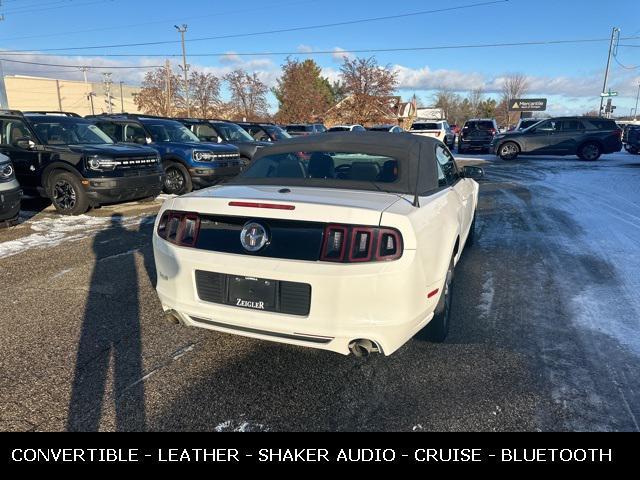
{"x":136,"y":162}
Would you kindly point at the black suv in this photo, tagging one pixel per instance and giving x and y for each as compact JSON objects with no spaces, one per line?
{"x":477,"y":134}
{"x":631,"y":138}
{"x":188,"y":163}
{"x":71,"y":161}
{"x":264,"y":132}
{"x":586,"y":137}
{"x":221,"y":131}
{"x":10,"y":192}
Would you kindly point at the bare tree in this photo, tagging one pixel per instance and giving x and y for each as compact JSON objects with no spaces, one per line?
{"x":248,"y":95}
{"x":450,"y":103}
{"x":158,"y":93}
{"x":475,"y":98}
{"x":515,"y":85}
{"x":204,"y":95}
{"x":369,"y":86}
{"x":303,"y":94}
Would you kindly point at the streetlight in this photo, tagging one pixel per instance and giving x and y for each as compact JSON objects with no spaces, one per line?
{"x":182,"y":29}
{"x":635,"y":112}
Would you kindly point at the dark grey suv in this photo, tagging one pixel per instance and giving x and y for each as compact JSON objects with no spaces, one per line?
{"x":586,"y":137}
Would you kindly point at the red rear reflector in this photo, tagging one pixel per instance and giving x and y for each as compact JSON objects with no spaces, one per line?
{"x":274,"y":206}
{"x":433,"y":292}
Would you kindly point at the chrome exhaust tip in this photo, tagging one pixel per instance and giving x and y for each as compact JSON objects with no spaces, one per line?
{"x":173,"y":317}
{"x":362,"y":347}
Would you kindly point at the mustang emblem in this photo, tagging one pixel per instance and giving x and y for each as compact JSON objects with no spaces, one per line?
{"x":253,"y":236}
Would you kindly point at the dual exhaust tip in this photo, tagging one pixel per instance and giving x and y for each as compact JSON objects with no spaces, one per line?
{"x":363,"y":347}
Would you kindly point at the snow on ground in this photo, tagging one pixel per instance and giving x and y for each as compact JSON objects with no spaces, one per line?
{"x":605,"y":202}
{"x":53,"y":230}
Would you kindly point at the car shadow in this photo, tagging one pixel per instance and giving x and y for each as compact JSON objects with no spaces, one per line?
{"x":110,"y":339}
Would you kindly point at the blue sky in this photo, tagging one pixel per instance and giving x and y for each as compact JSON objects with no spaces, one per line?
{"x":570,"y":75}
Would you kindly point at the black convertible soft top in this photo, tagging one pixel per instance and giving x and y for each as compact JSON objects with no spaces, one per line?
{"x":417,"y":172}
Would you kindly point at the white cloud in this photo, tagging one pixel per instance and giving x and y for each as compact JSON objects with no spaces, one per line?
{"x":339,"y":54}
{"x":304,"y":48}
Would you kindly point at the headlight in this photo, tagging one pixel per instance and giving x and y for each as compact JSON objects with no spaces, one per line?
{"x":6,"y":172}
{"x":204,"y":156}
{"x":101,"y":163}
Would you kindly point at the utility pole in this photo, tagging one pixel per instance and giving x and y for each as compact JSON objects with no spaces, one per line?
{"x":185,"y":68}
{"x":87,"y":91}
{"x":107,"y":82}
{"x":635,"y":113}
{"x":121,"y":99}
{"x":614,"y":32}
{"x":59,"y":97}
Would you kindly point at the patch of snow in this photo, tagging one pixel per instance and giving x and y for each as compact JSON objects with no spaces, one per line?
{"x":486,"y":297}
{"x":232,"y":426}
{"x":122,"y":254}
{"x":62,"y":272}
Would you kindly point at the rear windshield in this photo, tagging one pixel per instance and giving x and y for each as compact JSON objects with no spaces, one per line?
{"x":479,"y":125}
{"x":299,"y":128}
{"x":425,"y":126}
{"x":339,"y":129}
{"x":330,"y":166}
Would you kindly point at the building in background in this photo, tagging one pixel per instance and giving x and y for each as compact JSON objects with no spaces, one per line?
{"x":50,"y":94}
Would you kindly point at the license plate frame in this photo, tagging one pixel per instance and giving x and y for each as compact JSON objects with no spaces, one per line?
{"x":252,"y":293}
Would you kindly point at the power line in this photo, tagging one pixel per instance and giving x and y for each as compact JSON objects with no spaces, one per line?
{"x":155,"y":22}
{"x":58,"y":4}
{"x":133,"y":67}
{"x":363,"y":50}
{"x":282,"y":30}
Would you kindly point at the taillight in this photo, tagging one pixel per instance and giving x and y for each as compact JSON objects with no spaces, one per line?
{"x":180,"y":228}
{"x":493,"y":131}
{"x":353,"y":244}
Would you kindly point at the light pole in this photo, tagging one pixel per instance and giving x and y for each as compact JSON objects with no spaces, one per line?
{"x":185,"y":68}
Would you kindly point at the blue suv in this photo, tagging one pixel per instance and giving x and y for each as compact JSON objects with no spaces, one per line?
{"x":188,"y":163}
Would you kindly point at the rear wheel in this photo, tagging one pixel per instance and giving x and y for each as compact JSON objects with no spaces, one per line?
{"x":589,"y":152}
{"x":177,"y":179}
{"x":67,"y":194}
{"x":508,"y":151}
{"x":438,"y":328}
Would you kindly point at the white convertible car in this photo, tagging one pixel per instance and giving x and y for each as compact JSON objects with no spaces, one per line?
{"x":341,"y":241}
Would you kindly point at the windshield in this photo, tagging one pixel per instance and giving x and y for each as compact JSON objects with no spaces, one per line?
{"x":230,"y":132}
{"x":330,"y":166}
{"x":169,"y":131}
{"x":276,"y":132}
{"x":299,"y":128}
{"x":69,"y":131}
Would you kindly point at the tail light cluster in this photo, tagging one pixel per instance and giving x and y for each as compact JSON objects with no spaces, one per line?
{"x":180,"y":228}
{"x":349,"y":244}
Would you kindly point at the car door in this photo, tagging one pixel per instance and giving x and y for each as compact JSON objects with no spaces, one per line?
{"x":462,"y":187}
{"x":571,"y":134}
{"x":544,"y":139}
{"x":26,"y":161}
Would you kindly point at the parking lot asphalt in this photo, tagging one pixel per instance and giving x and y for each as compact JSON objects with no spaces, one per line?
{"x":545,"y":326}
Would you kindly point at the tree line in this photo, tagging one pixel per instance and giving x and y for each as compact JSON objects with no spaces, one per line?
{"x":304,"y":95}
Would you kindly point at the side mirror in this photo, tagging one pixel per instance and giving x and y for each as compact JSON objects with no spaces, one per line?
{"x":140,"y":140}
{"x":219,"y":139}
{"x":469,"y":171}
{"x":25,"y":143}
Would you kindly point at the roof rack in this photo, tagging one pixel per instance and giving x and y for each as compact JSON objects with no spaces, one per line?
{"x":17,"y":113}
{"x":54,"y":113}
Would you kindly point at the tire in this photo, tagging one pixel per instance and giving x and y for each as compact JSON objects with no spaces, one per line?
{"x":177,"y":179}
{"x":244,"y":163}
{"x":438,"y":328}
{"x":508,"y":151}
{"x":471,"y":237}
{"x":67,"y":194}
{"x":589,"y":152}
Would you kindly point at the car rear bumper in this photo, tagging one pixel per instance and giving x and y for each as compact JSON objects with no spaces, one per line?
{"x":123,"y":189}
{"x":206,"y":177}
{"x":10,"y":204}
{"x":384,"y":302}
{"x":474,"y":144}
